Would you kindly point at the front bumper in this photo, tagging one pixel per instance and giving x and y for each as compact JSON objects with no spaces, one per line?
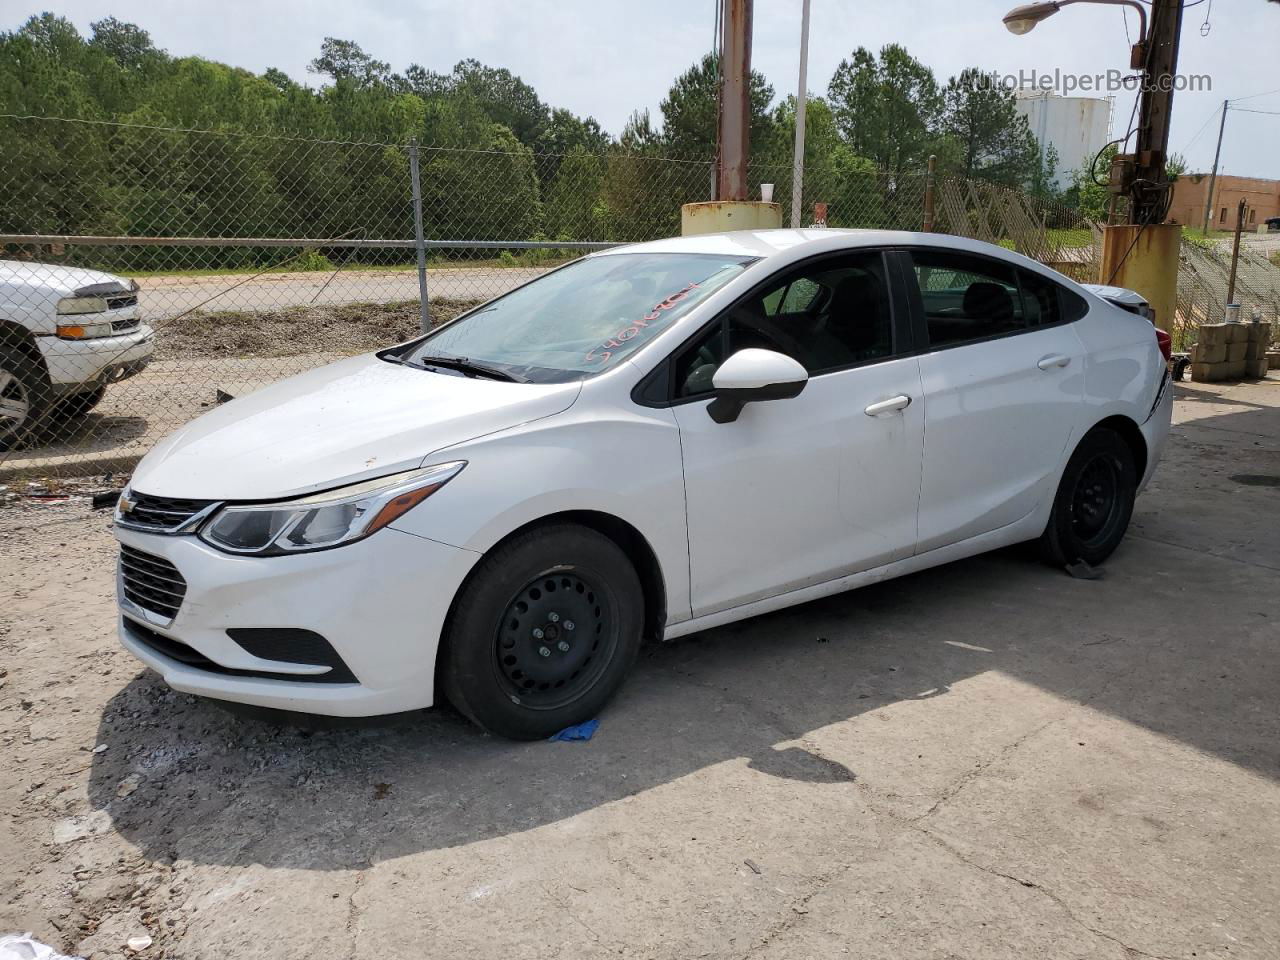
{"x":81,"y":365}
{"x":380,"y":603}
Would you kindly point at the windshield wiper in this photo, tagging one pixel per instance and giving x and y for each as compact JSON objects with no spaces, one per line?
{"x":469,"y":367}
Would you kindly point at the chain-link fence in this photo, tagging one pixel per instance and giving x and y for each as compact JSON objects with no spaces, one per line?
{"x":150,"y":273}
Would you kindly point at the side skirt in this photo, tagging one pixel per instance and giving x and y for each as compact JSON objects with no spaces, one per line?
{"x":1016,"y":532}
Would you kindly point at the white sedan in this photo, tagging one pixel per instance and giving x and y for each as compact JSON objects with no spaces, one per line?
{"x":644,"y":443}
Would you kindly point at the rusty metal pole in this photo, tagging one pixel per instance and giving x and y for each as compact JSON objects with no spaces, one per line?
{"x":735,"y":99}
{"x":1155,"y":108}
{"x":1235,"y":252}
{"x":927,"y":227}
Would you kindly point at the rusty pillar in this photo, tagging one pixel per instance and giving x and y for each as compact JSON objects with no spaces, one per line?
{"x":735,"y":100}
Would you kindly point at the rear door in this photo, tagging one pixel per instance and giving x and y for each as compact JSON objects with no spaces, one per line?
{"x":1003,"y":377}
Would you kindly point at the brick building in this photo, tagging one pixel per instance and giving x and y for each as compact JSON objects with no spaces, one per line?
{"x":1263,"y":197}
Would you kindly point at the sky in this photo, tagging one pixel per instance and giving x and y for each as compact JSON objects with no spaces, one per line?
{"x":605,"y":58}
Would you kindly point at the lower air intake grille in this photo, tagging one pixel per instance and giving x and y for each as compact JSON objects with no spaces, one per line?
{"x":151,"y":582}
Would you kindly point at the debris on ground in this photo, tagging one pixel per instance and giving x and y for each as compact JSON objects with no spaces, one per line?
{"x":1082,"y":570}
{"x":25,"y":947}
{"x":579,"y":731}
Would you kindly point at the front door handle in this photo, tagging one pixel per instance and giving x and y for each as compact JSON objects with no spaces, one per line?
{"x":1053,"y":360}
{"x":888,"y":406}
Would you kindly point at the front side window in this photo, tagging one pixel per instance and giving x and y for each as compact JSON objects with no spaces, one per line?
{"x":828,"y":315}
{"x":581,"y":319}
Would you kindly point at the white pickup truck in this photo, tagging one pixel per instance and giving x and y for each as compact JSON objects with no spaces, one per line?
{"x":66,"y":334}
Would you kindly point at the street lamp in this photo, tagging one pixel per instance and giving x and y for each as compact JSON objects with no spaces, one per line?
{"x":1022,"y":20}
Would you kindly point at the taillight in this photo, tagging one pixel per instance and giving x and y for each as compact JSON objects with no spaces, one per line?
{"x":1165,"y":342}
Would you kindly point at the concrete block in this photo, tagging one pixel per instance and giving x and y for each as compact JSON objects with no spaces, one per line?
{"x":1236,"y":351}
{"x":1206,"y":353}
{"x":1212,"y":334}
{"x":1273,"y":359}
{"x":1237,"y":332}
{"x":1235,"y":369}
{"x":1259,"y":332}
{"x":1254,"y":350}
{"x":1255,"y":369}
{"x":1208,"y":372}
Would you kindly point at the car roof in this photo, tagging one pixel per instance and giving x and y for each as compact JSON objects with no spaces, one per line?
{"x":769,"y":243}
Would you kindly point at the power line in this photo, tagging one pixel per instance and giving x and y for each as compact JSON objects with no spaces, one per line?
{"x":1254,"y":96}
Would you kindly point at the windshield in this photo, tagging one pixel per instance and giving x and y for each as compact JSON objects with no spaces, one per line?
{"x":581,"y":319}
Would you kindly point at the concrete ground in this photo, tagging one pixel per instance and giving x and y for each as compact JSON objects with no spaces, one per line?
{"x":987,"y":760}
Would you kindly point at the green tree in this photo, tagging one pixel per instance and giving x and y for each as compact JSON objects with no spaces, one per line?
{"x":994,"y":140}
{"x":573,"y":208}
{"x":887,"y":108}
{"x":345,"y":60}
{"x":689,"y":111}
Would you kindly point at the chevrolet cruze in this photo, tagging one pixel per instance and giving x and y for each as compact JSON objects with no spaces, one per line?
{"x":647,"y":442}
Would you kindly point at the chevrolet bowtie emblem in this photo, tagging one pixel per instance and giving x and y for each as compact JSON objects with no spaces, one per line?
{"x":127,"y":505}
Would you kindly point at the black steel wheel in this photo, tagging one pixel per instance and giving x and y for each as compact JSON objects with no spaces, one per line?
{"x":543,"y":632}
{"x":554,"y":640}
{"x":1094,"y":502}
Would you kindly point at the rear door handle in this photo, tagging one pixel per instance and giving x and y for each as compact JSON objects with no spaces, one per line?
{"x":1054,"y":360}
{"x":888,"y":406}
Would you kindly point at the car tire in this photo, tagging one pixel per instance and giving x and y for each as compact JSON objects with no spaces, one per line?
{"x":79,"y":404}
{"x":1094,"y":502}
{"x":543,"y":633}
{"x":24,"y":397}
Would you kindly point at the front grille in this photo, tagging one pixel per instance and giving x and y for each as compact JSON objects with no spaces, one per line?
{"x":151,"y":582}
{"x":124,"y":326}
{"x":122,"y":301}
{"x":162,"y":513}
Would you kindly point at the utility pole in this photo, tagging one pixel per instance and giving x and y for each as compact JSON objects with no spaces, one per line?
{"x":735,"y":99}
{"x":797,"y":175}
{"x":1148,"y":188}
{"x":1213,"y":176}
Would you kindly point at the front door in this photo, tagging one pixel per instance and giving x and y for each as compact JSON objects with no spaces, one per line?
{"x":796,"y":492}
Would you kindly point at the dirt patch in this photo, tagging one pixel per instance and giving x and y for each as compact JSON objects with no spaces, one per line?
{"x":287,"y":331}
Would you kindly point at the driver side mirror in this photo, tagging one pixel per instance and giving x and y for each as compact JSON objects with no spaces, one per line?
{"x":752,"y":375}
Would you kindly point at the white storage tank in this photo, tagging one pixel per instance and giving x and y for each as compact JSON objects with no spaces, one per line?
{"x":1076,"y":127}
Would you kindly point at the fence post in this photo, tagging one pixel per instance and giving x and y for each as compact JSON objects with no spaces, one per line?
{"x":928,"y":194}
{"x":419,"y":239}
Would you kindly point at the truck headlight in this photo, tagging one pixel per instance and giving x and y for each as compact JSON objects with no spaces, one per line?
{"x":75,"y":305}
{"x":84,"y":331}
{"x":326,"y":519}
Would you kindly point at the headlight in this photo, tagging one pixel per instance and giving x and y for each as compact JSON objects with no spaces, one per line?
{"x":325,"y":519}
{"x":84,"y":331}
{"x":76,"y":305}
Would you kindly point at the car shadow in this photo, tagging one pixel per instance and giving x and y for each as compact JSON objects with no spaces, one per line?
{"x":201,"y":784}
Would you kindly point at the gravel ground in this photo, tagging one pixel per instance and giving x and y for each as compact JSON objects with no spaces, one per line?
{"x":987,"y":760}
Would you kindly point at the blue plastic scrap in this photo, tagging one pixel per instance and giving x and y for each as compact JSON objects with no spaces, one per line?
{"x":579,"y":731}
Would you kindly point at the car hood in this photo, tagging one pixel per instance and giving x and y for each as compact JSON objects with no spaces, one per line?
{"x":348,"y":421}
{"x":54,"y":278}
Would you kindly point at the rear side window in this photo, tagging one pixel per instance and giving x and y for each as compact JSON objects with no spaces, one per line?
{"x":967,"y":298}
{"x":1041,"y":299}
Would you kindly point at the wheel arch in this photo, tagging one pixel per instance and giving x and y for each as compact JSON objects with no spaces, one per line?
{"x":1132,"y":436}
{"x":15,"y":336}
